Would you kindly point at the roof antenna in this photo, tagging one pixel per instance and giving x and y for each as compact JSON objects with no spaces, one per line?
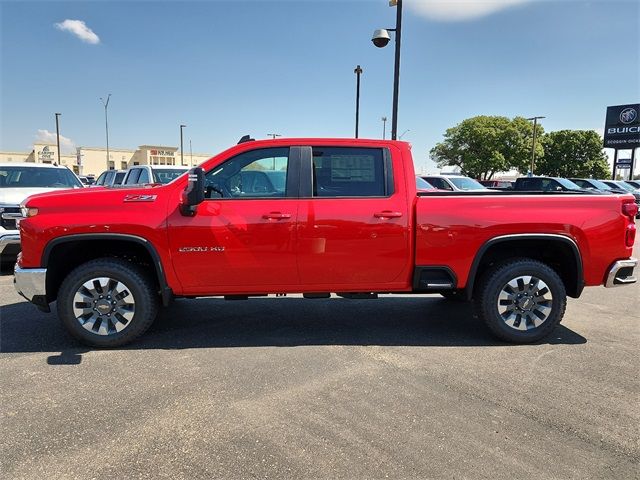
{"x":246,"y":138}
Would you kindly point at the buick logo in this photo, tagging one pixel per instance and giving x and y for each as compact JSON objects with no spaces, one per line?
{"x":628,"y":115}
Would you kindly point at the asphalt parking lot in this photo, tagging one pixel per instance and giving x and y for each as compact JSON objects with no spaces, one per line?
{"x":400,"y":387}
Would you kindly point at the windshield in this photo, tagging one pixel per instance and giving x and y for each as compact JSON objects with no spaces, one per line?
{"x":38,"y":177}
{"x":466,"y":183}
{"x":600,"y":185}
{"x":568,"y":184}
{"x":166,"y":175}
{"x":626,"y":187}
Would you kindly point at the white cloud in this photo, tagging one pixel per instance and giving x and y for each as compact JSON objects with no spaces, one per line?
{"x":79,"y":29}
{"x":459,"y":10}
{"x":66,"y":144}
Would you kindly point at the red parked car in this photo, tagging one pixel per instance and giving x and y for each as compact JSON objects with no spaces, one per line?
{"x":316,"y":216}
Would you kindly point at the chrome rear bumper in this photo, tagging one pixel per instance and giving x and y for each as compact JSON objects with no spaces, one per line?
{"x":622,"y":273}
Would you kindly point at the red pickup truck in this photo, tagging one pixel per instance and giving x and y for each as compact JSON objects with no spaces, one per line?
{"x":316,"y":216}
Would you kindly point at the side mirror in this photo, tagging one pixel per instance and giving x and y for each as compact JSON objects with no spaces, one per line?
{"x":193,"y":194}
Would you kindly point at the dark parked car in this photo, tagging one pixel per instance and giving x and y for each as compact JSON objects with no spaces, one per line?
{"x":546,"y":184}
{"x":592,"y":184}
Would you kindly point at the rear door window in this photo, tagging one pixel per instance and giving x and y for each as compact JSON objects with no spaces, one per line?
{"x":350,"y":172}
{"x":133,"y":176}
{"x":144,"y":176}
{"x":439,"y":183}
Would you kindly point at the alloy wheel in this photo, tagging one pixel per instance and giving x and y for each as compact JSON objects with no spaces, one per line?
{"x":525,"y":302}
{"x":104,"y":306}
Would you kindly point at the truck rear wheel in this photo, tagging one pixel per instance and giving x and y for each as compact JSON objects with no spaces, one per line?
{"x":521,"y":301}
{"x":107,"y":302}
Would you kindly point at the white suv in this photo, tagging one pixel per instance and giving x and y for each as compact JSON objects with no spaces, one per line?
{"x":17,"y":182}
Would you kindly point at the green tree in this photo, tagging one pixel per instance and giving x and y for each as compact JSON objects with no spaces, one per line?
{"x":573,"y":153}
{"x":484,"y":145}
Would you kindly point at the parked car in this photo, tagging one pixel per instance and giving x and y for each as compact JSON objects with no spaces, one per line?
{"x":109,"y":178}
{"x":454,"y":183}
{"x":148,"y":174}
{"x":423,"y":185}
{"x":634,"y":183}
{"x":546,"y":184}
{"x":17,"y":182}
{"x":497,"y":184}
{"x":596,"y":185}
{"x":87,"y":181}
{"x":350,"y":221}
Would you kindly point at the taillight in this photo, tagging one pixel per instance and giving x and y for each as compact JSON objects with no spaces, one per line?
{"x":630,"y":210}
{"x":630,"y":237}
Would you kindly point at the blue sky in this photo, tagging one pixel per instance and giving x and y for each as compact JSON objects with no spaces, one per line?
{"x":230,"y":68}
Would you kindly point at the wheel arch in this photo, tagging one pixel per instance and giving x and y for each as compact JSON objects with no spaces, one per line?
{"x":85,"y":247}
{"x":560,"y":252}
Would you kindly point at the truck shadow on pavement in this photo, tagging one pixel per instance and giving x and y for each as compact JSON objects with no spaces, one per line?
{"x":289,"y":322}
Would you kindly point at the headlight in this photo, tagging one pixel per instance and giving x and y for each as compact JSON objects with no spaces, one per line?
{"x":28,"y":211}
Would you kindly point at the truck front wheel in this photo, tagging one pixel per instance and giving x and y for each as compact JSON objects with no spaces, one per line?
{"x":521,"y":301}
{"x":107,"y":302}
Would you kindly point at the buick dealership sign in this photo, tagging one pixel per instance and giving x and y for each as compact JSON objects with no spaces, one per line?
{"x":622,"y":127}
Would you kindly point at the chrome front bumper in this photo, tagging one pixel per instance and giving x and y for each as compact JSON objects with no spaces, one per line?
{"x":622,"y":273}
{"x":31,"y":283}
{"x":10,"y":239}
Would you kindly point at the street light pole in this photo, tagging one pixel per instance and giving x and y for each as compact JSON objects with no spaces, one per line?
{"x":58,"y":137}
{"x":181,"y":146}
{"x":380,"y":39}
{"x":358,"y":72}
{"x":396,"y":71}
{"x":384,"y":127}
{"x":533,"y":146}
{"x":106,"y":123}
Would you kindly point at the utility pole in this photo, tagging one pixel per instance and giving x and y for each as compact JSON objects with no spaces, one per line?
{"x":396,"y":71}
{"x":358,"y":72}
{"x":190,"y":154}
{"x":384,"y":127}
{"x":181,"y":146}
{"x":106,"y":123}
{"x":58,"y":138}
{"x":533,"y":146}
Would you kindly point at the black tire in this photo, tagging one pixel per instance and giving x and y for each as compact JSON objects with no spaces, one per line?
{"x":454,"y":296}
{"x":136,"y":285}
{"x":526,"y":301}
